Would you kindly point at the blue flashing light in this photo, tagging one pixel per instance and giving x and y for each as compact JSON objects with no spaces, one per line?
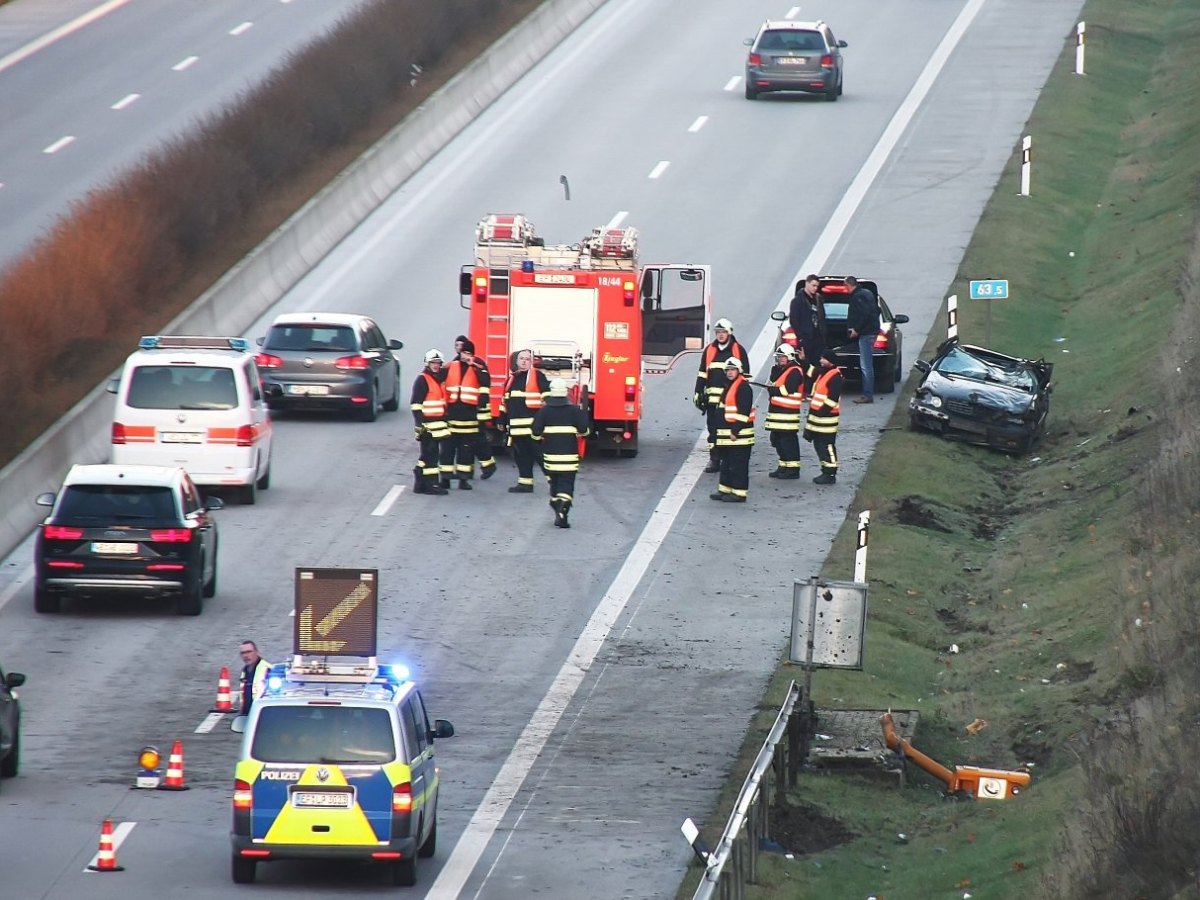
{"x":275,"y":682}
{"x":396,"y":674}
{"x":527,"y":265}
{"x":238,"y":343}
{"x":148,"y":342}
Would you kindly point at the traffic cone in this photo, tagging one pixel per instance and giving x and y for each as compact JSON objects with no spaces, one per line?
{"x":106,"y":859}
{"x":174,"y":779}
{"x":224,"y":698}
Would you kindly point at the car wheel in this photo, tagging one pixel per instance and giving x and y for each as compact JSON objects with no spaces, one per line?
{"x":242,"y":870}
{"x":429,"y":847}
{"x":8,"y":768}
{"x":264,"y":481}
{"x":832,"y":94}
{"x":394,"y":404}
{"x":404,"y":873}
{"x":370,"y":410}
{"x":44,"y":601}
{"x":751,"y":93}
{"x":248,"y":494}
{"x":887,"y":382}
{"x":839,"y":87}
{"x":210,"y":587}
{"x":191,"y":601}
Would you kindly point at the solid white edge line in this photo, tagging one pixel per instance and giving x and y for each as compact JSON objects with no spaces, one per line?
{"x":698,"y":124}
{"x":121,"y":831}
{"x":62,"y":31}
{"x":209,"y":723}
{"x":499,"y":797}
{"x":389,"y":498}
{"x":659,"y":169}
{"x":19,"y":582}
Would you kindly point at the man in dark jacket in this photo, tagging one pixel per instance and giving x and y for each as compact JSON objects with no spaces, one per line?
{"x":806,"y":315}
{"x":862,"y":324}
{"x":559,"y":426}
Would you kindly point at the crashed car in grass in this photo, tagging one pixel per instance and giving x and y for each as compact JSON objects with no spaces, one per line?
{"x":983,"y":397}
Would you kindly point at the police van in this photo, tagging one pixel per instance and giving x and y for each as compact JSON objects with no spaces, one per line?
{"x":195,"y":402}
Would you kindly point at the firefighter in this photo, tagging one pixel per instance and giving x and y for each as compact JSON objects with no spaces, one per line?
{"x":736,"y":435}
{"x":429,"y":416}
{"x":824,"y":410}
{"x":483,"y":448}
{"x":462,"y":412}
{"x":523,"y":396}
{"x":711,"y":384}
{"x":786,"y":391}
{"x":560,"y":426}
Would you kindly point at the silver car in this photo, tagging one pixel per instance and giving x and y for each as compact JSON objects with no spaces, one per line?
{"x":329,"y":361}
{"x":794,"y":56}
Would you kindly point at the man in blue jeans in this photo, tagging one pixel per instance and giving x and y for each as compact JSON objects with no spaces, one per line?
{"x":862,"y":324}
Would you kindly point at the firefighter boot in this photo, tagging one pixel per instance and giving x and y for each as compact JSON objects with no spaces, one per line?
{"x":464,"y":485}
{"x":560,"y":514}
{"x":521,"y":489}
{"x":433,"y":487}
{"x":829,"y":476}
{"x":418,"y":482}
{"x":714,"y":461}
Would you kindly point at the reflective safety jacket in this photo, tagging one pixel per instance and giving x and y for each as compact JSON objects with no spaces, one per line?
{"x":485,"y":390}
{"x":787,"y":398}
{"x":462,"y":396}
{"x":825,"y":407}
{"x":559,"y":425}
{"x":429,"y":404}
{"x":523,"y":397}
{"x":710,"y":382}
{"x":738,"y":428}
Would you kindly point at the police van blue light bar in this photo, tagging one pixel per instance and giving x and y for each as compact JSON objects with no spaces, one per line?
{"x":395,"y":674}
{"x":192,"y":342}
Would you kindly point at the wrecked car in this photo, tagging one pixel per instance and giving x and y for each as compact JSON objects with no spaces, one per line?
{"x":982,"y":397}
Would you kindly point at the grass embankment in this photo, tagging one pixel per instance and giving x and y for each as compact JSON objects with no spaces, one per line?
{"x":1067,"y":580}
{"x":131,"y":256}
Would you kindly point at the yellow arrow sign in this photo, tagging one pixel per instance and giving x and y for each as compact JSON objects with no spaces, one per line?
{"x":343,"y":609}
{"x":307,"y":643}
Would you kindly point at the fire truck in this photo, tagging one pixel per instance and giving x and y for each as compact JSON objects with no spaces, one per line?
{"x":589,"y":312}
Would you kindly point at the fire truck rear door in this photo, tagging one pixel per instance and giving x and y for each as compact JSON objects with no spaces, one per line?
{"x":676,"y":306}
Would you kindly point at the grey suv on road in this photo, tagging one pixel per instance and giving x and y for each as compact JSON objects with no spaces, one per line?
{"x":794,"y":56}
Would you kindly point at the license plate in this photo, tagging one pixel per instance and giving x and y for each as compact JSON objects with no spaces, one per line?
{"x":181,"y":437}
{"x":111,"y":547}
{"x":791,"y":60}
{"x":320,"y":800}
{"x":311,"y":390}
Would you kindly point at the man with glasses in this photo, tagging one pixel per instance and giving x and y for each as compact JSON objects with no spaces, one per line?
{"x":254,"y":674}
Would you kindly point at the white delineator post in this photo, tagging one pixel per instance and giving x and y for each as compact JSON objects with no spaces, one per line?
{"x":1026,"y":156}
{"x":952,"y":316}
{"x":860,"y":554}
{"x":1079,"y":30}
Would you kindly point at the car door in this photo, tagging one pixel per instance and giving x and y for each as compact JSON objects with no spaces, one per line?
{"x":206,"y":529}
{"x":424,"y":783}
{"x":676,"y":306}
{"x":382,"y":362}
{"x":260,"y":417}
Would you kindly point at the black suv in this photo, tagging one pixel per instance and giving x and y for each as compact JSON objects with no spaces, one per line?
{"x":113,"y":529}
{"x":794,"y":56}
{"x":10,"y":723}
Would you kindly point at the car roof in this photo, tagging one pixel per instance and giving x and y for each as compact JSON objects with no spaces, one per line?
{"x":106,"y":473}
{"x":166,"y":356}
{"x":790,"y":25}
{"x":318,"y":318}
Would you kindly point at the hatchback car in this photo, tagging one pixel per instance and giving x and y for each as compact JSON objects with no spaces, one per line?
{"x":329,"y":361}
{"x":983,"y":397}
{"x":10,"y":723}
{"x":137,"y":530}
{"x":794,"y":56}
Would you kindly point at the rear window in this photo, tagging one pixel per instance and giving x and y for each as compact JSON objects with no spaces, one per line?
{"x":182,"y":387}
{"x":311,"y":338}
{"x":791,"y":40}
{"x":116,"y":502}
{"x":323,"y":734}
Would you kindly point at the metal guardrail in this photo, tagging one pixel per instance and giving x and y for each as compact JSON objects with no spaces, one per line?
{"x":749,"y":822}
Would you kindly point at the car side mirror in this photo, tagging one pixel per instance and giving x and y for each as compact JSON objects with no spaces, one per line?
{"x":395,"y":345}
{"x":442,"y":729}
{"x":843,"y":44}
{"x":44,"y":499}
{"x":900,"y":319}
{"x":779,"y":315}
{"x":749,"y":42}
{"x":259,"y":341}
{"x":16,"y":679}
{"x":464,"y":283}
{"x":923,"y":367}
{"x":112,"y":385}
{"x":211,"y":503}
{"x":238,"y":725}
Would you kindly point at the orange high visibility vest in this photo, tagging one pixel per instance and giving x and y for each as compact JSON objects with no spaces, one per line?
{"x":434,"y":404}
{"x":462,"y":388}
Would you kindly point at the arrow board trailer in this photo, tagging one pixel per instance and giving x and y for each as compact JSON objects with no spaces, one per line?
{"x":590,"y":314}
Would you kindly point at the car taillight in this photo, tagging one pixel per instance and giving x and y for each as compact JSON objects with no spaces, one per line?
{"x":881,"y":341}
{"x":352,"y":362}
{"x":171,"y":535}
{"x":402,"y":800}
{"x":61,"y":533}
{"x":118,"y":433}
{"x":245,"y":436}
{"x":64,"y":564}
{"x":165,"y":567}
{"x":755,"y":59}
{"x":243,"y":797}
{"x":826,"y":61}
{"x":268,"y":361}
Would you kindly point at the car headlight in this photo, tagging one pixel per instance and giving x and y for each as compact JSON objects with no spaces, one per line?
{"x":931,"y":400}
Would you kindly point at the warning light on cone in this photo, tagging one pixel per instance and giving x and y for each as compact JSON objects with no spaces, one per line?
{"x":148,"y":776}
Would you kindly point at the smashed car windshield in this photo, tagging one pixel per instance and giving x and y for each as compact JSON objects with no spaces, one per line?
{"x":961,"y":362}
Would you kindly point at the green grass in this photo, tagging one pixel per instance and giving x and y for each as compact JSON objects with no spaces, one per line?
{"x":1036,"y":568}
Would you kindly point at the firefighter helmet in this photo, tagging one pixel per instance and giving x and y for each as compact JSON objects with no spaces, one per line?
{"x":559,"y":387}
{"x":723,"y":325}
{"x":786,"y":350}
{"x":432,"y":355}
{"x":734,"y":363}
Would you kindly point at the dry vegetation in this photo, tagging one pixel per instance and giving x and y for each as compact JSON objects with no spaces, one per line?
{"x":131,"y":256}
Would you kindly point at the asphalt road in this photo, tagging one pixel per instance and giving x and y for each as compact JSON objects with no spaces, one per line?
{"x":87,"y":87}
{"x":600,"y":679}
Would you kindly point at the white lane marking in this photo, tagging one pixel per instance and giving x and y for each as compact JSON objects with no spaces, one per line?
{"x":20,"y":581}
{"x":121,"y":831}
{"x":388,"y":499}
{"x":62,"y":31}
{"x":615,"y":221}
{"x":500,"y":795}
{"x":241,"y":29}
{"x":732,"y":83}
{"x":60,"y":143}
{"x":698,"y":124}
{"x":792,"y":13}
{"x":185,"y":64}
{"x":209,"y":723}
{"x":659,"y":169}
{"x":127,"y":100}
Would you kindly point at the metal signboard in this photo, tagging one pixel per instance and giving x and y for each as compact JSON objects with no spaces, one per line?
{"x":991,"y":289}
{"x":336,"y":612}
{"x":833,"y":616}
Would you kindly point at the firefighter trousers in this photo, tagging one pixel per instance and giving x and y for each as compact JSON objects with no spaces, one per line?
{"x":483,"y":451}
{"x":826,"y":447}
{"x":429,"y":462}
{"x":735,"y":470}
{"x":461,"y":463}
{"x":525,"y":455}
{"x":562,"y":488}
{"x":787,"y":445}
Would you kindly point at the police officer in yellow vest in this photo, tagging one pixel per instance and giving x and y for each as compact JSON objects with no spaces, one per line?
{"x":735,"y":436}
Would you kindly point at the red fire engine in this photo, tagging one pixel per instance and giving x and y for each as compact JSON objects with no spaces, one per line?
{"x":589,"y":313}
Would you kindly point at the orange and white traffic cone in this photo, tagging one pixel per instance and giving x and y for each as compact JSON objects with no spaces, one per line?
{"x":106,"y":859}
{"x":174,"y":779}
{"x":224,"y":697}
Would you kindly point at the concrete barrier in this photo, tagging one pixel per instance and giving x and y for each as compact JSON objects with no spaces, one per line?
{"x":257,"y":282}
